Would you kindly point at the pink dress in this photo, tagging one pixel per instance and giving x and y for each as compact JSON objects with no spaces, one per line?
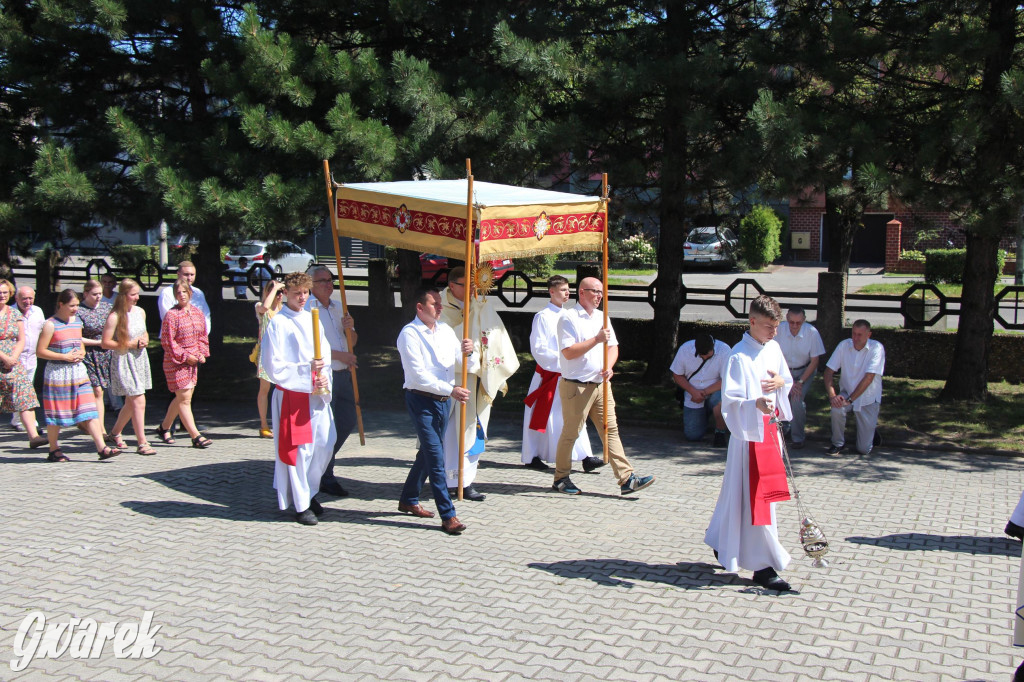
{"x":183,"y":334}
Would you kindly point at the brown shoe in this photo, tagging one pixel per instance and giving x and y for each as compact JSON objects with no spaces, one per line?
{"x":415,"y":510}
{"x":38,"y":442}
{"x":452,"y":526}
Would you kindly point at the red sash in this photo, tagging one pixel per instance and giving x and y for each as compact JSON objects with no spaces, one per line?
{"x":293,"y":426}
{"x":767,"y":475}
{"x":542,"y":398}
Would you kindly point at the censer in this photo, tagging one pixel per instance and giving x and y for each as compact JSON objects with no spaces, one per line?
{"x":812,"y":538}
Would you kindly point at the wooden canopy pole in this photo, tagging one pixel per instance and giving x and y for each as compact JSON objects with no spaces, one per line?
{"x":604,"y":278}
{"x":344,"y":301}
{"x":465,"y":316}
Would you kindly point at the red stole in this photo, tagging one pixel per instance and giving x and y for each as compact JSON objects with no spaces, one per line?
{"x":293,"y":426}
{"x":542,"y":398}
{"x":767,"y":475}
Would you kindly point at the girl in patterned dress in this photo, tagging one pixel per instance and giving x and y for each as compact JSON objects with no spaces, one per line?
{"x":186,"y":346}
{"x":16,"y":392}
{"x":265,"y":311}
{"x":67,"y":393}
{"x":125,"y":334}
{"x":93,"y":312}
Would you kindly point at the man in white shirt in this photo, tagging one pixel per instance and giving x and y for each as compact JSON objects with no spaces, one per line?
{"x":542,"y":419}
{"x":187,"y":272}
{"x":109,"y":283}
{"x":697,"y":370}
{"x":582,"y":339}
{"x":861,"y":363}
{"x":431,"y":353}
{"x":801,"y":344}
{"x":343,"y":402}
{"x":34,"y":320}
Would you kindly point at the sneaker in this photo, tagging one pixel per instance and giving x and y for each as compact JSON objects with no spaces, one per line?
{"x":18,"y":426}
{"x":721,"y":439}
{"x":565,"y":485}
{"x":537,"y":463}
{"x":636,"y":483}
{"x":834,"y":450}
{"x":592,"y":463}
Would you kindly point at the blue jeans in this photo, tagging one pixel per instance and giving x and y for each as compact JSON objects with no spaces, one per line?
{"x":695,"y":419}
{"x":343,"y":405}
{"x":430,"y":417}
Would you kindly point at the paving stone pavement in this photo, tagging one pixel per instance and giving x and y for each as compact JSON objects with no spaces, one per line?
{"x":541,"y":586}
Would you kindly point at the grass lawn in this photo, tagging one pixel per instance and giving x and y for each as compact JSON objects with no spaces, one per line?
{"x":897,"y":288}
{"x":911,"y":409}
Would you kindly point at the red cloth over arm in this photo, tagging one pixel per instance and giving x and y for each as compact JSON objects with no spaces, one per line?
{"x":294,"y":427}
{"x":541,"y":400}
{"x":767,"y":475}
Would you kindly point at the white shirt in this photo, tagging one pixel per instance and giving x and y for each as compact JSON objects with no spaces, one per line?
{"x":544,"y":337}
{"x":687,"y":361}
{"x":165,"y":301}
{"x":802,"y":348}
{"x":430,"y":357}
{"x":577,"y":325}
{"x":110,"y":299}
{"x":34,"y":321}
{"x":854,"y":365}
{"x":330,"y":318}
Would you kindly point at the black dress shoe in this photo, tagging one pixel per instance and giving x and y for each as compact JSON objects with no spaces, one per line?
{"x":317,"y":508}
{"x":876,"y":440}
{"x":468,"y":493}
{"x":592,"y":463}
{"x":1014,"y":531}
{"x":332,"y":487}
{"x":770,"y":580}
{"x":720,"y":440}
{"x":306,"y":518}
{"x":537,"y":463}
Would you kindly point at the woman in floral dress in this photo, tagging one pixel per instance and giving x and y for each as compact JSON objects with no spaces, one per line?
{"x":186,"y":346}
{"x":67,"y":394}
{"x":125,"y":334}
{"x":93,"y":312}
{"x":16,"y":392}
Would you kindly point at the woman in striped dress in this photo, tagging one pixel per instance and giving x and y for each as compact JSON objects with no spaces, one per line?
{"x":67,"y":393}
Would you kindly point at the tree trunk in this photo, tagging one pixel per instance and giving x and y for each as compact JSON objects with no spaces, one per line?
{"x":968,"y":375}
{"x":410,"y":274}
{"x":841,"y":221}
{"x":209,"y":278}
{"x":673,"y":209}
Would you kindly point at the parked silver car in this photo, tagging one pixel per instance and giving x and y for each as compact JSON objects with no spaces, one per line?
{"x":277,"y":257}
{"x":710,"y":245}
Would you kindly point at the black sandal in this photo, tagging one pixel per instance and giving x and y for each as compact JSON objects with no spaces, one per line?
{"x":164,"y":435}
{"x":201,"y":442}
{"x":57,"y":456}
{"x":108,"y":452}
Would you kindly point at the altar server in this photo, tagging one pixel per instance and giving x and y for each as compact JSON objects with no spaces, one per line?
{"x":304,"y":431}
{"x":542,"y":419}
{"x":756,"y":384}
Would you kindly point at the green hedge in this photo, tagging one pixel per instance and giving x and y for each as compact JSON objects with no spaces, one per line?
{"x":127,"y":257}
{"x":760,"y":234}
{"x":947,"y":265}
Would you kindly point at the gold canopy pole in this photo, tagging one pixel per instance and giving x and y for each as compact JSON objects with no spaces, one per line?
{"x":465,"y":316}
{"x":604,"y":278}
{"x":344,"y":303}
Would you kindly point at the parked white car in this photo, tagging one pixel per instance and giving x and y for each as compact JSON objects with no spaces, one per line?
{"x":710,"y":245}
{"x":278,"y":257}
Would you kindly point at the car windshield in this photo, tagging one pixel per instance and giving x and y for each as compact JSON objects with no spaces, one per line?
{"x":247,"y":250}
{"x":703,"y":238}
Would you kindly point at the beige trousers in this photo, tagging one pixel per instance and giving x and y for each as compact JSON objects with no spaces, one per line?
{"x":580,"y":401}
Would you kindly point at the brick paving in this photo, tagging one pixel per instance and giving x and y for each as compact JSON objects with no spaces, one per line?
{"x":541,"y":586}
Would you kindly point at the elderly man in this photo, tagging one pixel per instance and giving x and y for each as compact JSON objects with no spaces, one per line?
{"x":697,"y":369}
{"x":861,"y":362}
{"x":343,"y":402}
{"x":34,"y":319}
{"x":802,"y":346}
{"x":582,"y":338}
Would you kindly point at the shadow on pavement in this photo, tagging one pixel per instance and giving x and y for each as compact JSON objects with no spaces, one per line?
{"x":924,"y":542}
{"x":623,"y":573}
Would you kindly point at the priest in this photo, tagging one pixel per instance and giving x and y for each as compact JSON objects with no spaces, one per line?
{"x":498,"y":362}
{"x":755,"y":388}
{"x":304,"y":431}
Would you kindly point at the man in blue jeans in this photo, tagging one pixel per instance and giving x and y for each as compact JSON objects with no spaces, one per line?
{"x":431,"y":353}
{"x":697,"y":370}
